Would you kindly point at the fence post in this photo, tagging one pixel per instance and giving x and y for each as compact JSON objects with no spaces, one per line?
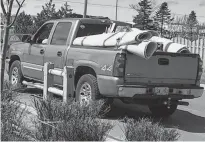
{"x":68,"y":83}
{"x":48,"y":81}
{"x":195,"y":47}
{"x":203,"y":48}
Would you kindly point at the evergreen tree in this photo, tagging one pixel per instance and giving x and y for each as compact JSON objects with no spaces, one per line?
{"x":162,"y":17}
{"x":65,"y":11}
{"x":48,"y":13}
{"x":191,"y":23}
{"x":144,"y":9}
{"x":23,"y":24}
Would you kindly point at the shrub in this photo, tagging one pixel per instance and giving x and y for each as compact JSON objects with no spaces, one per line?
{"x":69,"y":122}
{"x":146,"y":130}
{"x":12,"y":126}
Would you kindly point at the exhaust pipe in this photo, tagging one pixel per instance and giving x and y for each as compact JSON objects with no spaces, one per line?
{"x":183,"y":103}
{"x":169,"y":103}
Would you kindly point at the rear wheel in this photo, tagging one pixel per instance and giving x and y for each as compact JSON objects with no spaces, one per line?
{"x":87,"y":91}
{"x":162,"y":110}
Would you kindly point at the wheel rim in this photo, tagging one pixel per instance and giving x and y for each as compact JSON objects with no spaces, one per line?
{"x":14,"y":76}
{"x":85,"y":94}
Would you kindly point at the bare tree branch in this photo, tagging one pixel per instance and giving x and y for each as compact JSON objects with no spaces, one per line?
{"x":17,"y":12}
{"x":3,"y":8}
{"x":10,"y":7}
{"x":18,"y":3}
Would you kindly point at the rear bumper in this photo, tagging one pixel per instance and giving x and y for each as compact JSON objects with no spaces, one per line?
{"x":147,"y":92}
{"x":111,"y":87}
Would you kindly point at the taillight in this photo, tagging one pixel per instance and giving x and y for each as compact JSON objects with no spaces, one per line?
{"x":119,"y":65}
{"x":200,"y":71}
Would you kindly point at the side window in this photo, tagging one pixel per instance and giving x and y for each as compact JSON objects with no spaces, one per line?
{"x":43,"y":33}
{"x":61,"y":33}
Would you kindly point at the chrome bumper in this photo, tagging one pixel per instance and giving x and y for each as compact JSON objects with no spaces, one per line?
{"x":126,"y":91}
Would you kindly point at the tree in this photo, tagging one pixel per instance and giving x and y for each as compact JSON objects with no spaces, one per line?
{"x":7,"y":25}
{"x":163,"y":16}
{"x":65,"y":11}
{"x":48,"y":12}
{"x":23,"y":24}
{"x":144,"y":9}
{"x":191,"y":23}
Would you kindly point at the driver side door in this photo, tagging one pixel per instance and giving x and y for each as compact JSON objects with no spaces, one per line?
{"x":32,"y":66}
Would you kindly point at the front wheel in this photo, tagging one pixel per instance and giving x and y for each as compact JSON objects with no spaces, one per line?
{"x":15,"y":75}
{"x":162,"y":110}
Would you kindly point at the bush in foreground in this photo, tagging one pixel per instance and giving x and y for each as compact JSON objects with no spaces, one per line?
{"x":70,"y":122}
{"x":146,"y":130}
{"x":12,"y":126}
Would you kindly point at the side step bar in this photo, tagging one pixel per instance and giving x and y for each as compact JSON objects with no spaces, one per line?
{"x":40,"y":86}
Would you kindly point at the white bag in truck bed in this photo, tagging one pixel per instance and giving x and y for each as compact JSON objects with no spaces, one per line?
{"x":169,"y":45}
{"x":145,"y":49}
{"x":110,"y":39}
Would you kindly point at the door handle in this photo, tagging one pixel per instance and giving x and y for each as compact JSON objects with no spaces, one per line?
{"x":42,"y":51}
{"x":59,"y":53}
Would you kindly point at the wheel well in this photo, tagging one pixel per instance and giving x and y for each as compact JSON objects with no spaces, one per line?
{"x":80,"y":71}
{"x":12,"y":59}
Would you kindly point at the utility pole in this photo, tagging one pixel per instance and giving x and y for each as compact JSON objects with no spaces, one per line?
{"x":116,"y":10}
{"x":85,"y":8}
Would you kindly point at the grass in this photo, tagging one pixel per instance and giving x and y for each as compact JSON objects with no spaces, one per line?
{"x":146,"y":130}
{"x":70,"y":122}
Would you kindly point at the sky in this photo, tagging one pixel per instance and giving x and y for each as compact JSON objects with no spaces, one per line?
{"x":177,"y":7}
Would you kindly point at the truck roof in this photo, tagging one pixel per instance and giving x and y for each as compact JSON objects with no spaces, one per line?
{"x":84,"y":20}
{"x":92,"y":20}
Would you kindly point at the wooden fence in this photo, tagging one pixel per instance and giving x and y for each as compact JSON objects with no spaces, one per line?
{"x":196,"y":46}
{"x":48,"y":90}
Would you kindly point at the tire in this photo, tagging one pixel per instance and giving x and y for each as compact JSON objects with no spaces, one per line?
{"x":162,"y":110}
{"x":91,"y":81}
{"x":87,"y":88}
{"x":16,"y":76}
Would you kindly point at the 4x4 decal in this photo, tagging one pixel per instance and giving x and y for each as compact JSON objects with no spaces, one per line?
{"x":107,"y":68}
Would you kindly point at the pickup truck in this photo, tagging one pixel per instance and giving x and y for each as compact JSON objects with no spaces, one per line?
{"x":161,"y":82}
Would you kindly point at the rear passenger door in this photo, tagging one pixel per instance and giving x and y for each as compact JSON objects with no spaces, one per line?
{"x":56,"y":51}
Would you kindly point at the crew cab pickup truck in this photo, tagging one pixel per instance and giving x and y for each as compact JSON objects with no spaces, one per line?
{"x":106,"y":72}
